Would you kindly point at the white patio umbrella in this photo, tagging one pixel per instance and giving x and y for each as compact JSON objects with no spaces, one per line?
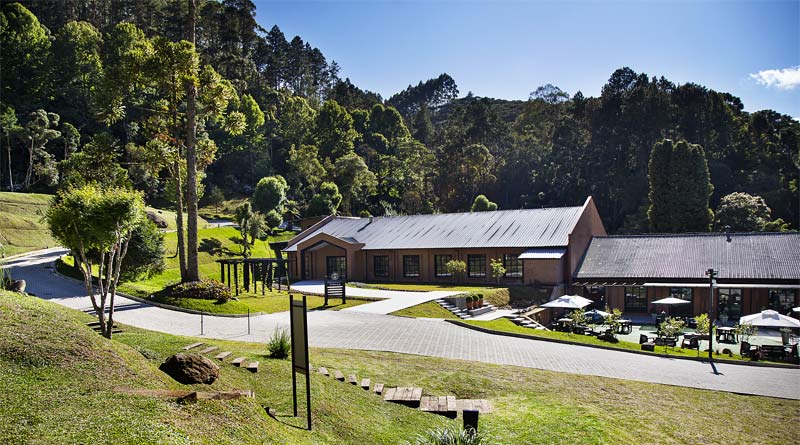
{"x":671,"y":301}
{"x":770,"y":319}
{"x":598,"y":312}
{"x":568,"y":302}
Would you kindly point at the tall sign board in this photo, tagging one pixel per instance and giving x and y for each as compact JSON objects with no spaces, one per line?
{"x":299,"y":330}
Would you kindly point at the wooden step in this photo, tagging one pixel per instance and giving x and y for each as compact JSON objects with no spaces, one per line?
{"x":252,"y":367}
{"x":209,"y":349}
{"x":365,"y":384}
{"x":352,"y":379}
{"x":405,"y":395}
{"x":192,"y":346}
{"x":238,"y":361}
{"x":480,"y":405}
{"x":223,"y":355}
{"x":378,"y":388}
{"x":324,"y":371}
{"x":338,"y":375}
{"x":442,"y":405}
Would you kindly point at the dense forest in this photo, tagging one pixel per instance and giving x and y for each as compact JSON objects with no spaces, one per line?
{"x":96,"y":90}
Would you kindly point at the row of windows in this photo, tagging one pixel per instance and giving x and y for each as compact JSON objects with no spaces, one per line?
{"x":729,"y":301}
{"x":476,"y":266}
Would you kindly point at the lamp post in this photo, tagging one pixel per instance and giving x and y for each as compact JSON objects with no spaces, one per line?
{"x":711,"y":273}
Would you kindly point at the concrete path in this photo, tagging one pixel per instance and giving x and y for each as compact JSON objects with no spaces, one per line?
{"x":436,"y":338}
{"x":390,"y":300}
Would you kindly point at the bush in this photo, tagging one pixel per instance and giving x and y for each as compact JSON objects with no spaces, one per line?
{"x":203,"y":289}
{"x":280,"y":344}
{"x":146,"y":250}
{"x":450,"y":436}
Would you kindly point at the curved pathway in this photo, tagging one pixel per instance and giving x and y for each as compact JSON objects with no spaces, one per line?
{"x":358,"y":330}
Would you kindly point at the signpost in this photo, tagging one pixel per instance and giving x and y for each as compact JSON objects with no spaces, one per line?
{"x":299,"y":331}
{"x":712,"y":274}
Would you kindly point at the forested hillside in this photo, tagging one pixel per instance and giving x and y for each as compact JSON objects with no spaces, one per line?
{"x":98,"y":88}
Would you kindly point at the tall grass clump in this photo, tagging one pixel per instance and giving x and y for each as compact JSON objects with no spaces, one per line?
{"x":450,"y":436}
{"x":279,"y":344}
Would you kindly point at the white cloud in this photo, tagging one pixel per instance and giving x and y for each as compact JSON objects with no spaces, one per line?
{"x":784,"y":79}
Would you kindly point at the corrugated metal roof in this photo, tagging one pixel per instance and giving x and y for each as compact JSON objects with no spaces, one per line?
{"x":542,"y":254}
{"x":502,"y":228}
{"x":747,"y":256}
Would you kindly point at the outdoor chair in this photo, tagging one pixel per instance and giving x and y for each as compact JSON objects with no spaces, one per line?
{"x":643,"y":339}
{"x":690,"y":343}
{"x":747,"y":350}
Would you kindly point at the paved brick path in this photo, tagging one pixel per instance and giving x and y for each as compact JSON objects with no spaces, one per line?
{"x":353,"y":330}
{"x":391,"y":300}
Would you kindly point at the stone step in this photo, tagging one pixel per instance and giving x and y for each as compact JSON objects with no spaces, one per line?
{"x":209,"y":349}
{"x":192,"y":346}
{"x":252,"y":367}
{"x":364,"y":384}
{"x":378,"y":388}
{"x":338,"y":375}
{"x":238,"y":361}
{"x":324,"y":371}
{"x":223,"y":355}
{"x":352,"y":379}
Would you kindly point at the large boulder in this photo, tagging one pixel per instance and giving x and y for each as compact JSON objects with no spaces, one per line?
{"x":191,"y":368}
{"x":157,"y":219}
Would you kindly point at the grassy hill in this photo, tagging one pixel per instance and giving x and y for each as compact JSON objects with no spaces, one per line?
{"x":23,"y":230}
{"x":21,"y":226}
{"x":61,"y":384}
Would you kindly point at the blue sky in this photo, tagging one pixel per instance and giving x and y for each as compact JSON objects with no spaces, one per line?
{"x":505,"y":49}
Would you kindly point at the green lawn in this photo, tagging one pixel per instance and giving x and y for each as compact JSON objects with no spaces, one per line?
{"x":21,"y":226}
{"x":61,"y":384}
{"x":506,"y":325}
{"x":429,"y":309}
{"x":171,"y":218}
{"x":273,"y":302}
{"x":226,"y":210}
{"x":514,"y":296}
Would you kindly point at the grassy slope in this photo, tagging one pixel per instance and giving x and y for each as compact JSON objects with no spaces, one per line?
{"x":58,"y":379}
{"x":21,"y":226}
{"x":40,"y":367}
{"x":430,"y":309}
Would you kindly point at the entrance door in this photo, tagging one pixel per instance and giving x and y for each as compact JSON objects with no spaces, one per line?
{"x":337,"y":265}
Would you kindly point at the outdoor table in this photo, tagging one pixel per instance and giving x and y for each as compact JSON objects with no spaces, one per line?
{"x":726,"y":335}
{"x":625,"y":326}
{"x":563,"y":324}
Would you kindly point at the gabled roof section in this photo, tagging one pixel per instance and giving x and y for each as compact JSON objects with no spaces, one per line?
{"x":766,"y":256}
{"x":523,"y":228}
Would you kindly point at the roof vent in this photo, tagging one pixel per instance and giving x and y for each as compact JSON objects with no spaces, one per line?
{"x":728,"y":233}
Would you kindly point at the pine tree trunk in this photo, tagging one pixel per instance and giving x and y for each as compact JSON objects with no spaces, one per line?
{"x":10,"y":175}
{"x":192,"y":266}
{"x":179,"y":221}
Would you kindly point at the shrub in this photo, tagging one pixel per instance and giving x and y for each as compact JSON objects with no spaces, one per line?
{"x":203,"y":289}
{"x":450,"y":436}
{"x":280,"y":344}
{"x":145,"y":256}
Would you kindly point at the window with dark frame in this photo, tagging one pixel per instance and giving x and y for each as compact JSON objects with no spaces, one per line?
{"x":684,"y":293}
{"x":440,"y":265}
{"x":336,"y":264}
{"x":635,"y":299}
{"x":410,"y":266}
{"x":380,"y":265}
{"x":513,"y":266}
{"x":730,"y":303}
{"x":781,"y":300}
{"x":476,"y":266}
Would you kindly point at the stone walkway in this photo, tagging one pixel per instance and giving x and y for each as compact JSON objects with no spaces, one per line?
{"x":390,"y":300}
{"x":435,"y":338}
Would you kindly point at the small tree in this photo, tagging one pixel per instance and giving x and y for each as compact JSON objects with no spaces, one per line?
{"x":244,"y":215}
{"x":97,"y":223}
{"x":270,"y":194}
{"x":273,"y":219}
{"x":482,"y":204}
{"x":578,"y":316}
{"x":671,"y":327}
{"x":498,"y":270}
{"x":745,"y":331}
{"x":257,"y":227}
{"x":703,"y":323}
{"x":455,"y":268}
{"x":215,"y":197}
{"x":612,"y":321}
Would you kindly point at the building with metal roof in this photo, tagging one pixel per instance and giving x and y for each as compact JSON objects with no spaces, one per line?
{"x":536,"y":245}
{"x":754,"y":271}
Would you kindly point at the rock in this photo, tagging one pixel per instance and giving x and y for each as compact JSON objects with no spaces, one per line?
{"x":17,"y":286}
{"x":159,"y":221}
{"x":191,"y":368}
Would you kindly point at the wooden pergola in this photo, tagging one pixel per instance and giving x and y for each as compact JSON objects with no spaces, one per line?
{"x":269,"y":271}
